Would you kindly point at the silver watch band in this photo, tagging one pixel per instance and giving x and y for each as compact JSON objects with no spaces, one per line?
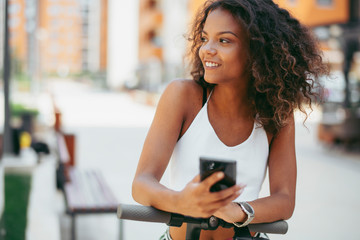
{"x":249,"y":212}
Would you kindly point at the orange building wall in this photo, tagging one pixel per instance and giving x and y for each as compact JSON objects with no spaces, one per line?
{"x":151,"y":20}
{"x":61,"y":42}
{"x":311,"y":14}
{"x":103,"y":38}
{"x":307,"y":11}
{"x":17,"y":32}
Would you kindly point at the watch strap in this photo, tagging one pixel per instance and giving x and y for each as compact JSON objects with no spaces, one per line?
{"x":250,"y":216}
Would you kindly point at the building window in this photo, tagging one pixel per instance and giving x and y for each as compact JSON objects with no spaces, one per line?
{"x":54,"y":10}
{"x":55,"y":23}
{"x":14,"y":8}
{"x":325,"y":3}
{"x":14,"y":22}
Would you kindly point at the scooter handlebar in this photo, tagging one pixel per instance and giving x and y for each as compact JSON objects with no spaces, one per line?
{"x":150,"y":214}
{"x":142,"y":213}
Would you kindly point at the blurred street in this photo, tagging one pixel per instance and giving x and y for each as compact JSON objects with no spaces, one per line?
{"x":110,"y":128}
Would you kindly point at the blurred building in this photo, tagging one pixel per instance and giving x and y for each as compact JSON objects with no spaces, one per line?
{"x":161,"y":42}
{"x":2,"y":20}
{"x":60,"y":26}
{"x":122,"y":42}
{"x":150,"y":30}
{"x":324,"y":17}
{"x":103,"y":35}
{"x":318,"y":12}
{"x":17,"y":30}
{"x":176,"y":23}
{"x":129,"y":40}
{"x":62,"y":37}
{"x":94,"y":35}
{"x":336,"y":23}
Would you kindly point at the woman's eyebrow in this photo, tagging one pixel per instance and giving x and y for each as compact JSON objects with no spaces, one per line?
{"x":224,"y":32}
{"x":228,"y":32}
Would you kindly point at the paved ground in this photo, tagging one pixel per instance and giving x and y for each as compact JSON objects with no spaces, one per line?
{"x":111,"y":128}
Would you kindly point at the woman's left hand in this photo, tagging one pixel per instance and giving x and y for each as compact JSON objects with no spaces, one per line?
{"x":230,"y":213}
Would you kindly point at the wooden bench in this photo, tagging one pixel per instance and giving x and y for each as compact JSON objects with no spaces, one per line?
{"x":85,"y":191}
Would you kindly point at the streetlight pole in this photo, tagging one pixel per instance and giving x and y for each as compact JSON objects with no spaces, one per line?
{"x":8,"y":143}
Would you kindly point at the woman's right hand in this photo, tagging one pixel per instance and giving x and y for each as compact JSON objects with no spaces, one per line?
{"x":196,"y":200}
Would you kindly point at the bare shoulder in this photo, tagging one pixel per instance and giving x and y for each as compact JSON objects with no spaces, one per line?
{"x":186,"y":87}
{"x":285,"y":138}
{"x":183,"y":92}
{"x":286,"y":131}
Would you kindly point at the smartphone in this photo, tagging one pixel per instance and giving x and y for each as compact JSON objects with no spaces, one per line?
{"x":210,"y":165}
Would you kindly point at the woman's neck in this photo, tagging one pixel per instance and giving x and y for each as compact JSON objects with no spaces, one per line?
{"x":231,"y":102}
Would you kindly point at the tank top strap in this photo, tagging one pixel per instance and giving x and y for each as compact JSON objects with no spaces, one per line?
{"x":205,"y":99}
{"x":209,"y":95}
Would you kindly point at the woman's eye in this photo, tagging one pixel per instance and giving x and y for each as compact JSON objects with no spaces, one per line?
{"x":223,"y":40}
{"x":203,"y":39}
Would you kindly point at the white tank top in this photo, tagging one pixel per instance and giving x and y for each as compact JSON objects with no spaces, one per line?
{"x":200,"y":139}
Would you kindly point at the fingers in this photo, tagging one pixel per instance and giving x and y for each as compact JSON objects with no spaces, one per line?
{"x":229,"y":197}
{"x":212,"y":179}
{"x":200,"y":202}
{"x":220,"y":199}
{"x":225,"y":201}
{"x":230,"y":193}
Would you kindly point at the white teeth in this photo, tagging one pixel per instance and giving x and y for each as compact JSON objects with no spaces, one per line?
{"x":210,"y":64}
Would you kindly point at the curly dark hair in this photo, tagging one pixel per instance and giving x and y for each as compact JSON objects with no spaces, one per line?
{"x":284,"y":58}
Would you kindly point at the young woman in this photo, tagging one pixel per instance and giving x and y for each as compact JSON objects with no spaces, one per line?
{"x":252,"y":65}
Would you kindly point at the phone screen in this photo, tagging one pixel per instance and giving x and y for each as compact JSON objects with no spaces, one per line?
{"x":210,"y":165}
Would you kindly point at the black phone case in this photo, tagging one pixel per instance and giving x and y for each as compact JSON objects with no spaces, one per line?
{"x":210,"y":165}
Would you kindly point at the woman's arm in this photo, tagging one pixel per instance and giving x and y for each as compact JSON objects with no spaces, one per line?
{"x":175,"y":106}
{"x":282,"y":176}
{"x":158,"y":146}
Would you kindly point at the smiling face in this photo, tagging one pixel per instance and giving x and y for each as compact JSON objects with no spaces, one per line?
{"x":224,"y":49}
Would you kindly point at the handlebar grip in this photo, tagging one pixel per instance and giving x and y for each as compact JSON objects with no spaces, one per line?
{"x":150,"y":214}
{"x":278,"y":227}
{"x":142,"y":213}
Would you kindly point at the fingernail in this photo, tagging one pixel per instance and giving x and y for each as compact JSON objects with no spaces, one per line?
{"x":240,"y":192}
{"x":220,"y":174}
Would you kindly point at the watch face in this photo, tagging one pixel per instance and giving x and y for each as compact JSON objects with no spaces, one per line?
{"x":248,"y":208}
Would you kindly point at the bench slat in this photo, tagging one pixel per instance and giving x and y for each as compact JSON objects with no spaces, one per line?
{"x":87,"y":191}
{"x":97,"y":194}
{"x":105,"y":189}
{"x":74,"y":191}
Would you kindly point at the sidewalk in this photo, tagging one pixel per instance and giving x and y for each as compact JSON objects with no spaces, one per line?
{"x":110,"y":129}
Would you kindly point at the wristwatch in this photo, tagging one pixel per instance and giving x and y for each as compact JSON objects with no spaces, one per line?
{"x":247,"y":208}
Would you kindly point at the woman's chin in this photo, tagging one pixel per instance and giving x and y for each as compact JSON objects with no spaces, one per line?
{"x":211,"y":80}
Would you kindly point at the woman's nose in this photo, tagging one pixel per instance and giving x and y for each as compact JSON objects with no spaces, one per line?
{"x":209,"y":48}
